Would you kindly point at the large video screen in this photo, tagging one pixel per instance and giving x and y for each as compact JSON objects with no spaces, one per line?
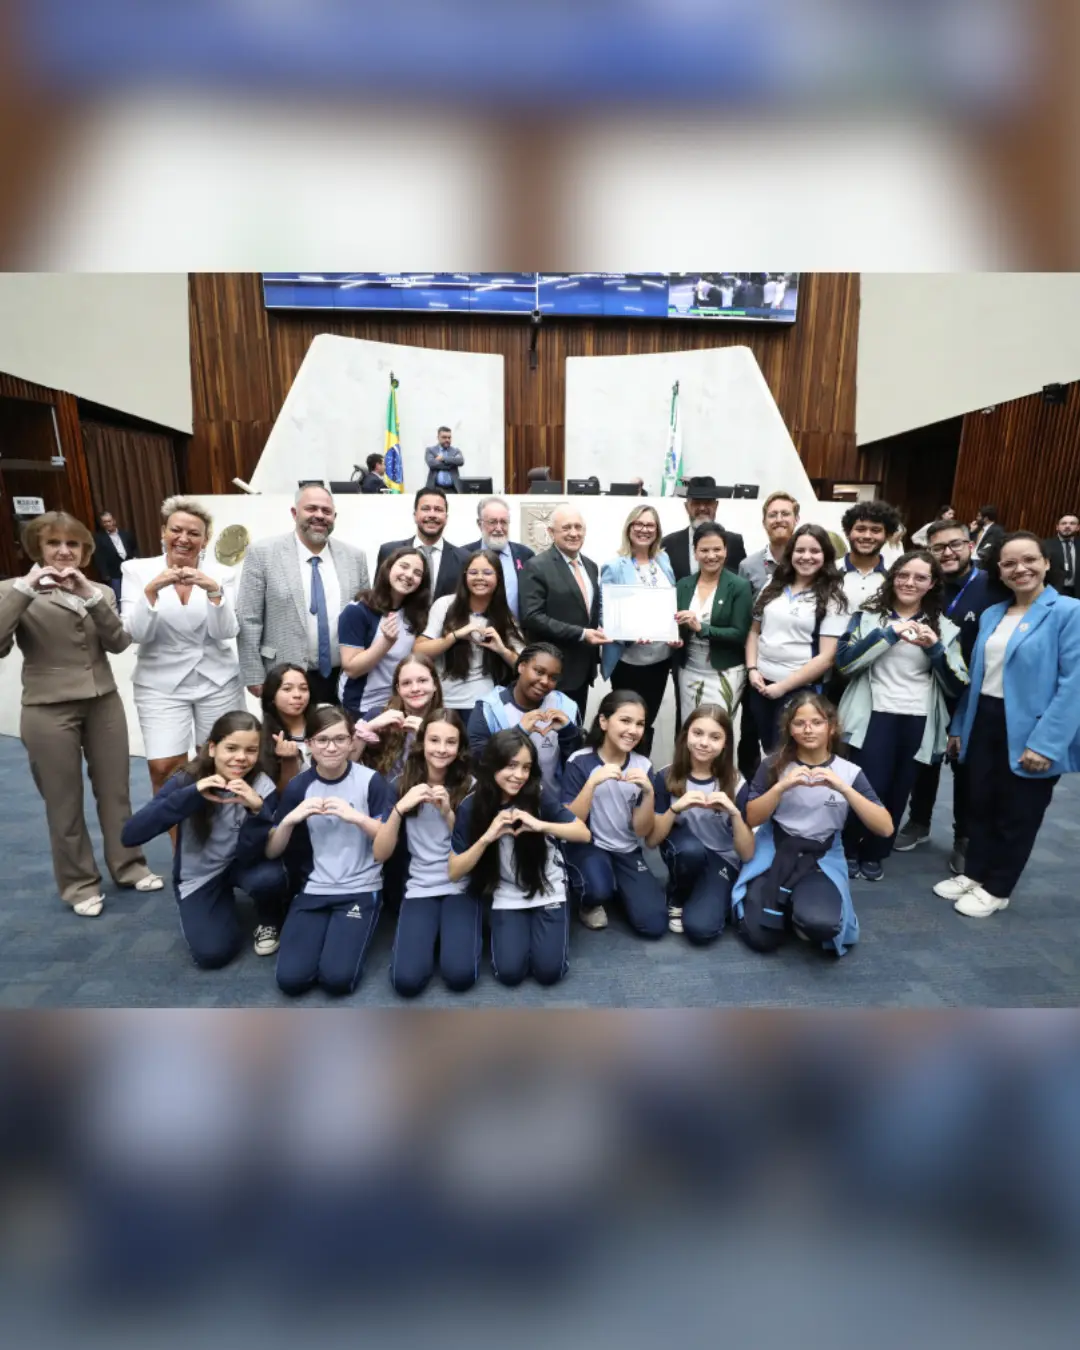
{"x":770,"y":297}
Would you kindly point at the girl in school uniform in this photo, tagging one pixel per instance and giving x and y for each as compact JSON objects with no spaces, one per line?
{"x":286,"y":702}
{"x":612,"y":789}
{"x":435,"y":911}
{"x":389,"y":736}
{"x":533,"y":703}
{"x":223,"y":804}
{"x":901,"y":657}
{"x":699,"y":830}
{"x":504,"y":842}
{"x":798,"y":803}
{"x":325,"y":823}
{"x":472,"y":634}
{"x":378,"y":630}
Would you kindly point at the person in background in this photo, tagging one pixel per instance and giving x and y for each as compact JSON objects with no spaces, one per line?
{"x":180,"y":611}
{"x":493,"y":517}
{"x":866,"y":526}
{"x":920,"y":538}
{"x":1063,"y":552}
{"x":550,"y":719}
{"x":286,"y":705}
{"x":641,"y":666}
{"x":379,"y":628}
{"x":966,"y":591}
{"x":714,"y":615}
{"x":640,"y":482}
{"x":560,"y":603}
{"x":112,"y":548}
{"x":293,"y":588}
{"x":987,"y":532}
{"x":1017,"y":726}
{"x":472,"y":635}
{"x":904,"y":669}
{"x":65,"y":626}
{"x":780,"y":516}
{"x":374,"y":480}
{"x":702,"y":495}
{"x":443,"y":462}
{"x":444,"y":561}
{"x":798,"y":618}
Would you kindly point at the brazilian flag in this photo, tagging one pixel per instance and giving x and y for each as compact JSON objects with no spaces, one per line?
{"x":393,"y":471}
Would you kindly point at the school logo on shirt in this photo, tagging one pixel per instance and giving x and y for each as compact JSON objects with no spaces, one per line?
{"x":355,"y":913}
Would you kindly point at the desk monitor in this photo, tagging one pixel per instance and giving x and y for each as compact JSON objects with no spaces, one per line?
{"x":624,"y":490}
{"x":746,"y":490}
{"x":350,"y":485}
{"x":476,"y":487}
{"x":583,"y":487}
{"x":546,"y":487}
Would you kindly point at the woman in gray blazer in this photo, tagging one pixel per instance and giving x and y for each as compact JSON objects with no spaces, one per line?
{"x":64,"y":626}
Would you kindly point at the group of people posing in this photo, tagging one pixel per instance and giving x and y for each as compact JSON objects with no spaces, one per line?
{"x":422,"y":741}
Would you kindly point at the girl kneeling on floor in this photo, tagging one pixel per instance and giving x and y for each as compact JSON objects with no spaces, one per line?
{"x":504,"y":842}
{"x":800,"y":798}
{"x":223,"y":804}
{"x":435,"y":911}
{"x":325,"y":822}
{"x":699,"y":830}
{"x":612,"y":789}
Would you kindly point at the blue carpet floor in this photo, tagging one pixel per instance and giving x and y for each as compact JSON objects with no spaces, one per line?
{"x":915,"y":951}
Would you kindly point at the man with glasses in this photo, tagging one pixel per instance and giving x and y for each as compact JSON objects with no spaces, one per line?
{"x":968,"y":591}
{"x":493,"y":517}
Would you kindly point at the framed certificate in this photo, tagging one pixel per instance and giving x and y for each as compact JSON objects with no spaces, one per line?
{"x":630,"y":613}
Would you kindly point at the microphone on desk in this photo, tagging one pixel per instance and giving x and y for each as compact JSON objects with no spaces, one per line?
{"x":246,"y":487}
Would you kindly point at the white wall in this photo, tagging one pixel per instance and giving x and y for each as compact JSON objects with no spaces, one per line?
{"x":933,"y":346}
{"x":618,"y":410}
{"x":335,"y":413}
{"x":121,"y":340}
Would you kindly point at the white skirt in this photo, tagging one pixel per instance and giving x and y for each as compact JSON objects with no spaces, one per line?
{"x":698,"y":686}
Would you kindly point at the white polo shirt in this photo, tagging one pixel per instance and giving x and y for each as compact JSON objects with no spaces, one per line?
{"x":787,"y":631}
{"x":860,"y":586}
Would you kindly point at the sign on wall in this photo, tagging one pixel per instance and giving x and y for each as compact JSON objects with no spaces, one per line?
{"x":29,"y":506}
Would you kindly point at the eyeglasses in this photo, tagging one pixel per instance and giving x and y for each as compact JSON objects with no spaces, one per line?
{"x":957,"y":544}
{"x":331,"y":742}
{"x":914,"y":580}
{"x":1011,"y":566}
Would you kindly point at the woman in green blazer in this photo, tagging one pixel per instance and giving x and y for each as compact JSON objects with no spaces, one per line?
{"x":714,"y":614}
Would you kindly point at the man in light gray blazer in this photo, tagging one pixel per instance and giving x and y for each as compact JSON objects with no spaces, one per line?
{"x":443,"y":461}
{"x":292,"y":591}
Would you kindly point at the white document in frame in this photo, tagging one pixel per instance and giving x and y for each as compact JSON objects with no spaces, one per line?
{"x":632,"y":612}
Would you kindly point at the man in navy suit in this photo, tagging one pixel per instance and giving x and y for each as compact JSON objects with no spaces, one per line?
{"x":112,"y":548}
{"x":493,"y":517}
{"x":445,"y":562}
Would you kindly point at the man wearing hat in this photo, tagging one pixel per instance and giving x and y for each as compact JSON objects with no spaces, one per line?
{"x":701,"y":499}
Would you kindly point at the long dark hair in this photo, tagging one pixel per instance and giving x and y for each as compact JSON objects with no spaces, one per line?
{"x":883,"y":601}
{"x":530,"y":850}
{"x":458,"y":778}
{"x":787,"y":751}
{"x":827,"y":585}
{"x":723,"y":766}
{"x":380,"y":597}
{"x":609,"y":706}
{"x":272,"y":725}
{"x":499,"y":617}
{"x":991,"y":559}
{"x":385,"y":755}
{"x":202,"y":765}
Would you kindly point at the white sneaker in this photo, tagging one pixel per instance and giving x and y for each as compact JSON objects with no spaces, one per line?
{"x":594,"y":917}
{"x":267,"y":940}
{"x":91,"y":907}
{"x":979,"y":904}
{"x":952,"y":888}
{"x":674,"y":919}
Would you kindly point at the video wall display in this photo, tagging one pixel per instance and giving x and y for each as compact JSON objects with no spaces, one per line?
{"x":769,"y":297}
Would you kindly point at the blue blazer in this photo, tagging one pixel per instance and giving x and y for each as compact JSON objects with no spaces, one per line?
{"x":1041,"y":683}
{"x":622,"y":572}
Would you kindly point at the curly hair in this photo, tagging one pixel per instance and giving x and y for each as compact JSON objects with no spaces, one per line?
{"x":883,"y":601}
{"x":877,"y":512}
{"x":828,"y":586}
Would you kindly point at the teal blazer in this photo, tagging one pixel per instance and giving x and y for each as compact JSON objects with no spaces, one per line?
{"x":729,"y":621}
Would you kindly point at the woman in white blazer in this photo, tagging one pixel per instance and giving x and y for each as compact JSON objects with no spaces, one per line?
{"x":180,"y":610}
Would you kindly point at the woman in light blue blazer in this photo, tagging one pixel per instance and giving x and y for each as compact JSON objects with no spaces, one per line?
{"x":642,"y":667}
{"x":1017,"y":726}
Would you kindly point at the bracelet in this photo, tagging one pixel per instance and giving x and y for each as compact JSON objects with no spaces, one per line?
{"x":751,"y":668}
{"x":215,"y":595}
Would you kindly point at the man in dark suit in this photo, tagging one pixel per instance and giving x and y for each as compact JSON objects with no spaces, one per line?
{"x":445,"y":562}
{"x":373,"y":480}
{"x":560,"y":603}
{"x":493,"y":517}
{"x":986,"y":531}
{"x":701,"y":499}
{"x":112,"y":548}
{"x":1064,"y":554}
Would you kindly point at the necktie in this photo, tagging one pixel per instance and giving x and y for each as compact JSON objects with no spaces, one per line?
{"x":1070,"y":561}
{"x":318,"y":608}
{"x":428,"y":554}
{"x":579,"y":577}
{"x":509,"y":569}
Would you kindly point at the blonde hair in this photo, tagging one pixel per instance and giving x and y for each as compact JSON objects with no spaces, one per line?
{"x":779,"y":497}
{"x":625,"y":547}
{"x":190,"y":506}
{"x":34,"y":529}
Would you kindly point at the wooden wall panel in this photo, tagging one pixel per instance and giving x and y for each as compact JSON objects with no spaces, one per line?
{"x":244,"y":359}
{"x":1024,"y":457}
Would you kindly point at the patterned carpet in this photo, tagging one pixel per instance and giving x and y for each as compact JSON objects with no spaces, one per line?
{"x":915,"y":951}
